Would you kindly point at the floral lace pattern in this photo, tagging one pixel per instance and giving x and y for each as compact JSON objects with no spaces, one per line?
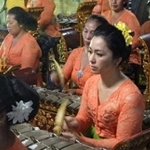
{"x":117,"y":118}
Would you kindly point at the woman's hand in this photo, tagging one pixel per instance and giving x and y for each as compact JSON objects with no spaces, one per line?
{"x":70,"y":124}
{"x":70,"y":91}
{"x":54,"y":77}
{"x":69,"y":127}
{"x":72,"y":136}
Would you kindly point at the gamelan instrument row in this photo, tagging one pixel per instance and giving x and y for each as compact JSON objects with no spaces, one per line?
{"x":35,"y":139}
{"x":39,"y":133}
{"x":50,"y":101}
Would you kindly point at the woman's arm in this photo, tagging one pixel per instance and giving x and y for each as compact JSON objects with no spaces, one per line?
{"x":83,"y":116}
{"x":70,"y":63}
{"x":31,"y":54}
{"x":6,"y":43}
{"x":79,"y":91}
{"x":48,"y":13}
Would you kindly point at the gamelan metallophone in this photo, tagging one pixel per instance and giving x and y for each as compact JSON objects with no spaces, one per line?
{"x":35,"y":139}
{"x":49,"y":104}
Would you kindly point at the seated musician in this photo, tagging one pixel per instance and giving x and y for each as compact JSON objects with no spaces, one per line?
{"x":77,"y":67}
{"x":18,"y":103}
{"x":19,"y":47}
{"x":118,"y":13}
{"x":111,"y":102}
{"x":49,"y":30}
{"x":47,"y":20}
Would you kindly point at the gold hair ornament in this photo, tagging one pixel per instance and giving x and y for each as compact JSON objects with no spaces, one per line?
{"x":125,"y":31}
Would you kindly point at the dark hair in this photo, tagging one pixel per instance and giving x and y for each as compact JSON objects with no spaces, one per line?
{"x":23,"y":18}
{"x":115,"y":41}
{"x":12,"y":91}
{"x":98,"y":18}
{"x":125,"y":4}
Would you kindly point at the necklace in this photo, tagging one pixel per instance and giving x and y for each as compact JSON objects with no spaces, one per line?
{"x":80,"y":73}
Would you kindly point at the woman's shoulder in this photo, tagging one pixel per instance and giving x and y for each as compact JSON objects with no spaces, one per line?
{"x":7,"y":40}
{"x":30,"y":39}
{"x":93,"y":80}
{"x":91,"y":85}
{"x":128,"y":86}
{"x":130,"y":95}
{"x":8,"y":36}
{"x":130,"y":14}
{"x":77,"y":51}
{"x":31,"y":42}
{"x":128,"y":90}
{"x":29,"y":36}
{"x":106,"y":13}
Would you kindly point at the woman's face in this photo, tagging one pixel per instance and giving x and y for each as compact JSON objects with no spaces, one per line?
{"x":116,"y":5}
{"x":88,"y":31}
{"x":13,"y":26}
{"x":100,"y":56}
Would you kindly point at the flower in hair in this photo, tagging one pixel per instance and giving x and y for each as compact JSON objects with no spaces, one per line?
{"x":20,"y":112}
{"x":125,"y":31}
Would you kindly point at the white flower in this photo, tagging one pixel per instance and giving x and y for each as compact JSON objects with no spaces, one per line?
{"x":20,"y":112}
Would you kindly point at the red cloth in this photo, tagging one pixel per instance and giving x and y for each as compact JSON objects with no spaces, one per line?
{"x":17,"y":145}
